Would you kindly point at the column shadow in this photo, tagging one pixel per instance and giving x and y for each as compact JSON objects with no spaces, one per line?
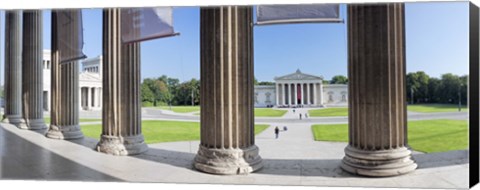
{"x":21,"y":159}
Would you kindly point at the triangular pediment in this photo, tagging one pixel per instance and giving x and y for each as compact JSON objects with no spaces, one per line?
{"x":298,"y":75}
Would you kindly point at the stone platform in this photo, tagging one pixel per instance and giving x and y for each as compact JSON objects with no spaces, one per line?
{"x":293,"y":159}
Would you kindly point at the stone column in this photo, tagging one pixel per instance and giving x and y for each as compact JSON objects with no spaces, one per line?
{"x":277,"y":95}
{"x":308,"y":94}
{"x":314,"y":94}
{"x":302,"y":97}
{"x":13,"y":69}
{"x":89,"y":98}
{"x":282,"y":94}
{"x":32,"y":75}
{"x":377,"y":113}
{"x":289,"y":86}
{"x":227,"y":144}
{"x":64,"y":88}
{"x":320,"y":94}
{"x":100,"y":98}
{"x":122,"y":127}
{"x":295,"y":97}
{"x":99,"y":94}
{"x":80,"y":98}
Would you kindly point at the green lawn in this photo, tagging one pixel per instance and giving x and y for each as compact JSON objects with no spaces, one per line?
{"x":47,"y":120}
{"x":326,"y":112}
{"x":181,"y":109}
{"x":269,"y":112}
{"x":424,"y":136}
{"x":426,"y":108}
{"x":259,"y":112}
{"x":163,"y":131}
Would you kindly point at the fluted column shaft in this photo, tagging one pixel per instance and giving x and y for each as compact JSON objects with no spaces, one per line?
{"x":377,"y":113}
{"x":227,"y":122}
{"x":32,"y":76}
{"x":277,"y":99}
{"x":122,"y":127}
{"x":64,"y":122}
{"x":308,"y":94}
{"x":289,"y":88}
{"x":315,"y":94}
{"x":320,"y":94}
{"x":295,"y":93}
{"x":13,"y":69}
{"x":302,"y":94}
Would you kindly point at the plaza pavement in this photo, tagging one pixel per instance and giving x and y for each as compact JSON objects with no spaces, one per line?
{"x":288,"y":118}
{"x":293,"y":159}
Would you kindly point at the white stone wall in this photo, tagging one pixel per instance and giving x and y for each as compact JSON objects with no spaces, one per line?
{"x":335,"y":95}
{"x":264,"y":96}
{"x":87,"y":79}
{"x":47,"y":65}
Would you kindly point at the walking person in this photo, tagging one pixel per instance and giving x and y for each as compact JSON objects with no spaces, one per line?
{"x":300,"y":114}
{"x":306,"y":115}
{"x":276,"y":132}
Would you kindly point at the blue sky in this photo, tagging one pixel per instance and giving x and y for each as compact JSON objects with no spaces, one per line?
{"x":436,"y":42}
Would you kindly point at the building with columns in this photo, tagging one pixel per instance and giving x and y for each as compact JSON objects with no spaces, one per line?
{"x":377,"y":143}
{"x":90,"y":82}
{"x":300,"y":89}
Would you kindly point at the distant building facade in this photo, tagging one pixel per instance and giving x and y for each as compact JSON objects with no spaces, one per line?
{"x":90,"y":82}
{"x":300,"y":89}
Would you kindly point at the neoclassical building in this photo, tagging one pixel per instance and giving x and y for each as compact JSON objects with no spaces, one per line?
{"x":90,"y":82}
{"x":300,"y":89}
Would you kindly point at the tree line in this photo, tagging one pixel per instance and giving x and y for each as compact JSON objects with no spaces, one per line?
{"x":420,"y":88}
{"x":169,"y":91}
{"x":449,"y":88}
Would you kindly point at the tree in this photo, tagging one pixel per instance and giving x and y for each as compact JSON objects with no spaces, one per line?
{"x":255,"y":81}
{"x":339,"y":79}
{"x":449,"y":88}
{"x":418,"y":82}
{"x":146,"y":93}
{"x":434,"y":90}
{"x":266,"y":83}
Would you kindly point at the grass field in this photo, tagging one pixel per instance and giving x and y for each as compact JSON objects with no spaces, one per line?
{"x":163,"y":131}
{"x":269,"y":112}
{"x":424,"y":136}
{"x":424,"y":108}
{"x":47,"y":120}
{"x":181,"y":109}
{"x":259,"y":112}
{"x":326,"y":112}
{"x":428,"y":108}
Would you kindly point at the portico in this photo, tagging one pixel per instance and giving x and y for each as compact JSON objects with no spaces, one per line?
{"x":227,"y":144}
{"x":298,"y":89}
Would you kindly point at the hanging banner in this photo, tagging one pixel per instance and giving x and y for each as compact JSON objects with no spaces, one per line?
{"x":70,"y":35}
{"x":287,"y":14}
{"x":141,"y":24}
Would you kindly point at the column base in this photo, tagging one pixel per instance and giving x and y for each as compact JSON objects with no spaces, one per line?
{"x":64,"y":132}
{"x":16,"y":120}
{"x":122,"y":146}
{"x":36,"y":124}
{"x":382,"y":163}
{"x":228,"y":161}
